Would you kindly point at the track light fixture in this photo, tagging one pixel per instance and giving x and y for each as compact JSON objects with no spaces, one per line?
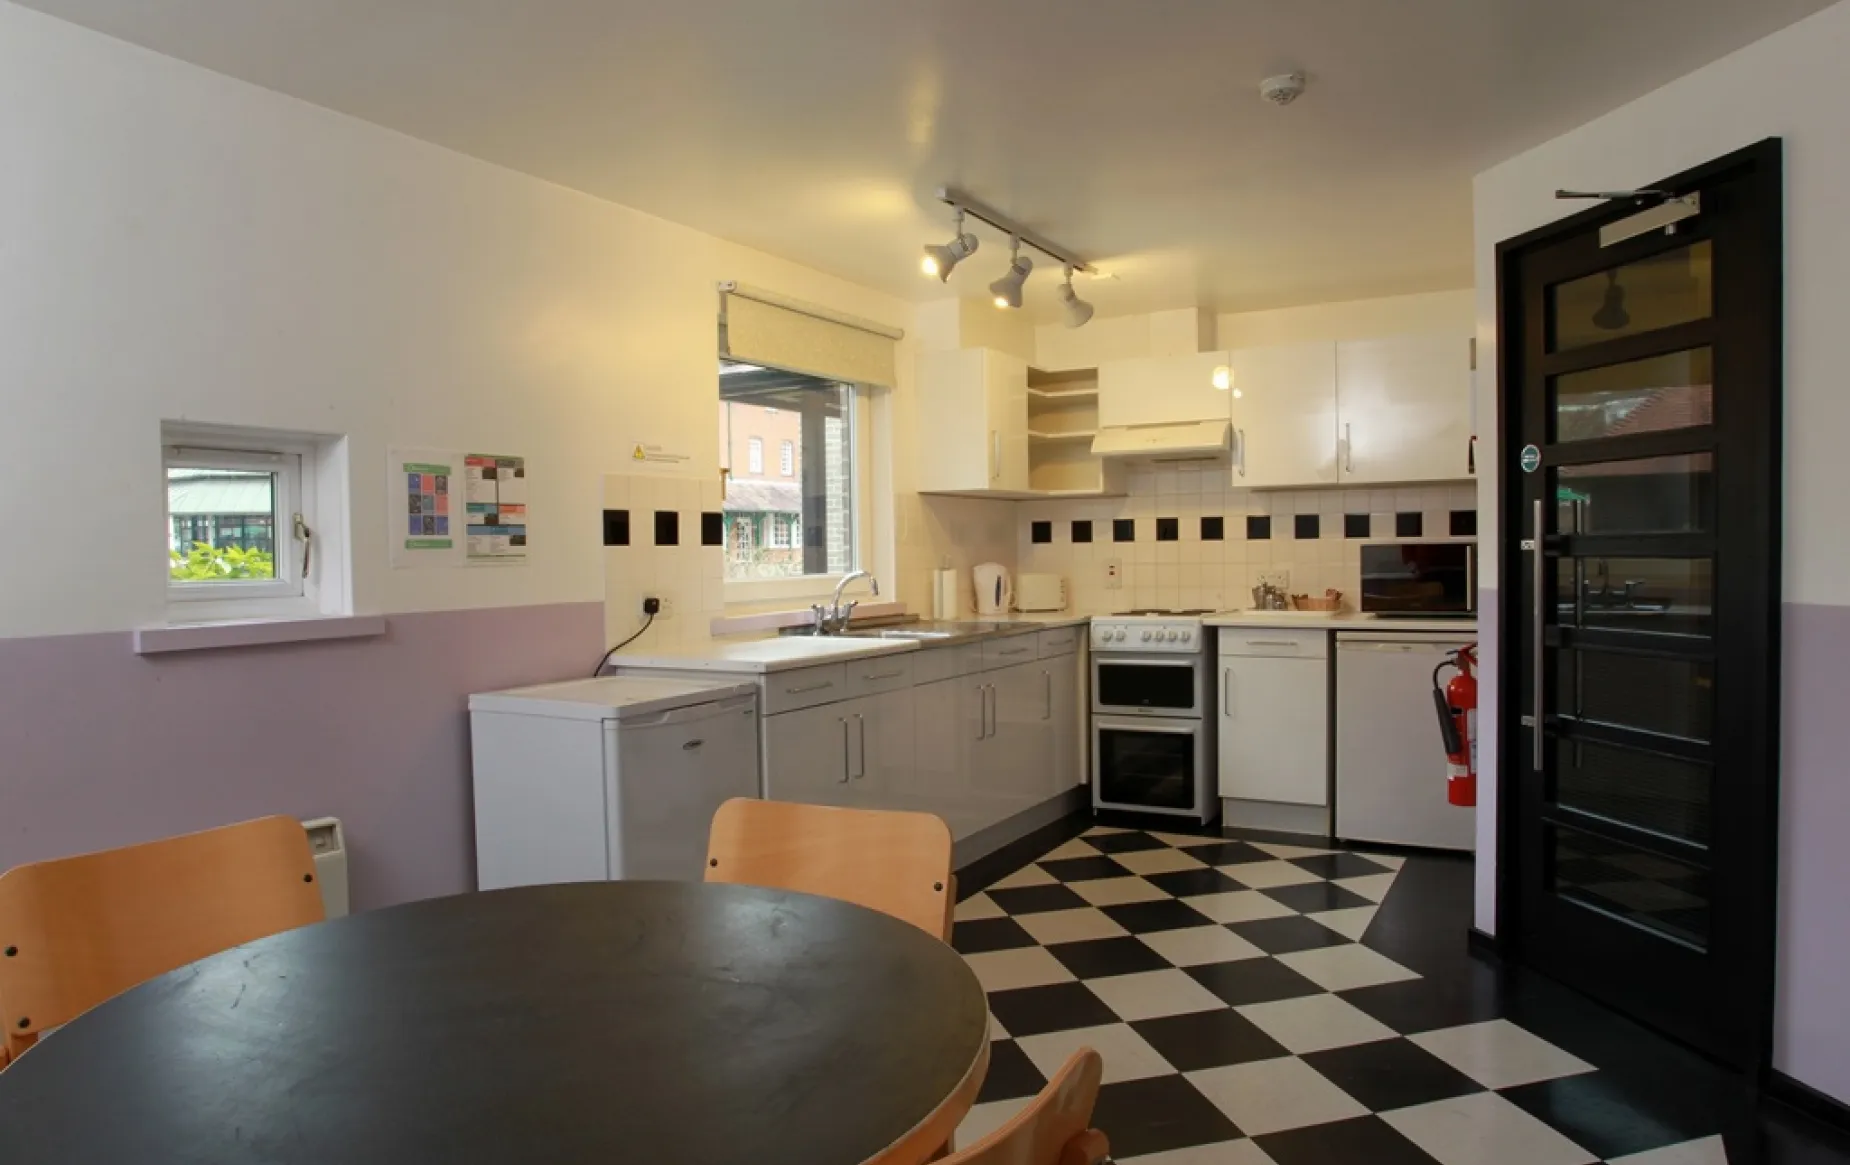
{"x":940,"y":258}
{"x":1078,"y":311}
{"x":1007,"y":289}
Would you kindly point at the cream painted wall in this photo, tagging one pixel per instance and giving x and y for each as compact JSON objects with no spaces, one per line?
{"x":1359,"y":319}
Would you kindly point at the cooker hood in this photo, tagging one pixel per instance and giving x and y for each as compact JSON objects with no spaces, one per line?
{"x":1187,"y":438}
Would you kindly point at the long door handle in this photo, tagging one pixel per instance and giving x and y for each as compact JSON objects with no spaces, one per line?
{"x":991,"y":700}
{"x":982,"y":713}
{"x":995,"y":454}
{"x":1348,"y":450}
{"x":1541,"y":581}
{"x":1047,"y":679}
{"x":860,"y":731}
{"x":1226,"y":693}
{"x":845,"y":751}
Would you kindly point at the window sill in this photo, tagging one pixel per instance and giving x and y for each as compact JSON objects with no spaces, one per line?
{"x":254,"y":633}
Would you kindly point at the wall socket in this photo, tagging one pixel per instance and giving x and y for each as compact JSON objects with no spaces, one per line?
{"x":1114,"y":574}
{"x":664,"y":604}
{"x":1276,"y":578}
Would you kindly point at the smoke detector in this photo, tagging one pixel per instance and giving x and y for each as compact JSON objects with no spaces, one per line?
{"x":1282,"y":89}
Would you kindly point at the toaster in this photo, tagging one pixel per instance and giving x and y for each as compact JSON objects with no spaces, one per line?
{"x":1040,"y":592}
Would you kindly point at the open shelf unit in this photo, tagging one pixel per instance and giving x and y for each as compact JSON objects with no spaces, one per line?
{"x":1062,"y":420}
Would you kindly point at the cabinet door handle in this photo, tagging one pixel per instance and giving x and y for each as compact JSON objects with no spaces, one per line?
{"x":1240,"y":435}
{"x":995,"y":454}
{"x":990,"y":699}
{"x":823,"y":686}
{"x":1014,"y":651}
{"x":1273,"y":643}
{"x":1047,"y":679}
{"x":844,"y":751}
{"x":884,"y":675}
{"x":1348,"y":450}
{"x":860,"y":732}
{"x":982,"y":713}
{"x":1226,"y":693}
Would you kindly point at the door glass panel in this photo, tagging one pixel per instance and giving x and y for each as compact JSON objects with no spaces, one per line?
{"x":1660,"y":292}
{"x":1660,"y":793}
{"x":1645,"y":888}
{"x":1650,"y":495}
{"x":1156,"y":769}
{"x":1673,"y":391}
{"x":1650,"y":596}
{"x":1157,"y":686}
{"x":1673,"y":697}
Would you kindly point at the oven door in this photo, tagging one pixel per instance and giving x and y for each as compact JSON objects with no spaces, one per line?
{"x":1149,"y":766}
{"x":1147,"y":685}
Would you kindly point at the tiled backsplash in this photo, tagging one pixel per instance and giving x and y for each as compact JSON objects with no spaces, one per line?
{"x":1184,"y":538}
{"x":663,"y":537}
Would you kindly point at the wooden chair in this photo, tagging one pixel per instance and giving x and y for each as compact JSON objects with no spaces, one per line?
{"x":896,"y":863}
{"x":1054,"y":1128}
{"x":76,"y":931}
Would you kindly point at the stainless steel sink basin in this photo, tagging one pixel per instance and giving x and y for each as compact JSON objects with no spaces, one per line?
{"x":902,"y":633}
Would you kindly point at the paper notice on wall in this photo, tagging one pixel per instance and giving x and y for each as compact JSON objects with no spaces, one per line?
{"x":422,"y":491}
{"x":496,"y":496}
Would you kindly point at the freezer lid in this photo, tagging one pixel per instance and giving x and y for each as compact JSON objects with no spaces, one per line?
{"x":609,"y":697}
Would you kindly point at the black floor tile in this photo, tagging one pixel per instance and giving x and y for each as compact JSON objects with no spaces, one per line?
{"x":1208,"y":1039}
{"x":1279,"y":936}
{"x":977,"y":876}
{"x":1099,"y":958}
{"x":1339,"y":865}
{"x":1251,"y":981}
{"x":1193,"y":883}
{"x":1149,"y":917}
{"x":1227,"y":853}
{"x":1389,"y":1074}
{"x":1011,"y":1074}
{"x":1084,"y":869}
{"x":1123,"y":843}
{"x":1420,"y":1005}
{"x":1314,"y":896}
{"x":1366,"y":1139}
{"x":1606,"y":1117}
{"x":1036,"y":899}
{"x":1156,"y":1115}
{"x":989,"y":934}
{"x":1030,"y":1011}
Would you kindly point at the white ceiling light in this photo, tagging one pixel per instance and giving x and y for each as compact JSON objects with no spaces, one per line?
{"x":1078,"y":311}
{"x":941,"y":258}
{"x":1007,"y":289}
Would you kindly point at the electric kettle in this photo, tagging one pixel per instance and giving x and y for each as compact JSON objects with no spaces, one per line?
{"x":995,"y":593}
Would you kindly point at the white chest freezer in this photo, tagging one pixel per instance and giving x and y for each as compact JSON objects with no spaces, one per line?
{"x":616,"y":777}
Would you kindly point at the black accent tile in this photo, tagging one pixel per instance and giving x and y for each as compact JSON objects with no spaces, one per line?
{"x":1156,"y":1115}
{"x":1082,"y":530}
{"x":1193,"y":883}
{"x":1409,"y":524}
{"x":1258,"y":527}
{"x":1040,"y":532}
{"x":1315,"y":896}
{"x":712,"y":528}
{"x":1102,"y":957}
{"x":1305,"y":527}
{"x":1281,"y":936}
{"x":989,"y":934}
{"x":1168,"y":529}
{"x":1213,"y":529}
{"x":1363,"y":1138}
{"x":1150,"y":917}
{"x":1227,"y":853}
{"x":1036,"y":899}
{"x":1124,"y":529}
{"x":1614,"y":1118}
{"x":1355,"y":526}
{"x":1463,"y":523}
{"x":1012,"y":1075}
{"x":1208,"y":1039}
{"x":1389,"y":1074}
{"x":1123,"y":843}
{"x":1031,"y":1011}
{"x":667,"y":528}
{"x":1251,"y":981}
{"x":616,"y":527}
{"x":1423,"y":1005}
{"x":1084,"y":869}
{"x":1339,"y":865}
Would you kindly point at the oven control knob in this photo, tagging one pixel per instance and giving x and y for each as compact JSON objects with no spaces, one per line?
{"x":1123,"y":635}
{"x":1172,"y":637}
{"x":1187,"y":636}
{"x":1146,"y":637}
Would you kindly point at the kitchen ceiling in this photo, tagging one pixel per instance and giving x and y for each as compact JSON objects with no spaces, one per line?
{"x":1129,"y":130}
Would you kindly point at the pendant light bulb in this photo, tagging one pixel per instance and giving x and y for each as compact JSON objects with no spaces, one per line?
{"x":1078,"y":311}
{"x":1007,"y":289}
{"x":941,"y":258}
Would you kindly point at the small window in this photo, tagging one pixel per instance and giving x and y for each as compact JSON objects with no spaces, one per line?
{"x":780,"y":533}
{"x":754,"y":455}
{"x":232,"y":523}
{"x":787,"y":459}
{"x":813,"y":494}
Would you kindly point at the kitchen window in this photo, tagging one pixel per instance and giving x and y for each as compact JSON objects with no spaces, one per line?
{"x":755,"y":457}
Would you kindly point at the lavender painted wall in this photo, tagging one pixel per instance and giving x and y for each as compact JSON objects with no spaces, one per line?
{"x":100,"y":747}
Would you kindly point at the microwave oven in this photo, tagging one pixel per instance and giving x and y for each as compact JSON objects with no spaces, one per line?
{"x":1428,"y":579}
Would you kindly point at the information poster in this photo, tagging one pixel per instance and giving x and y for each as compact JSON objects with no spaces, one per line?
{"x":496,"y":495}
{"x":423,"y":488}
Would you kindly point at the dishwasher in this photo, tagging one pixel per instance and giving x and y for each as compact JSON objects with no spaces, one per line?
{"x":1390,"y":761}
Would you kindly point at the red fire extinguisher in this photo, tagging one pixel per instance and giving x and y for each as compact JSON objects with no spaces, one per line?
{"x":1457,"y":708}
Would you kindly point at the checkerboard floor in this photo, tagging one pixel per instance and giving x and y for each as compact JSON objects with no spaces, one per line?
{"x":1245,"y":1018}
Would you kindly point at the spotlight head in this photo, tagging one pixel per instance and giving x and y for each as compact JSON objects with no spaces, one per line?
{"x":940,"y":258}
{"x":1078,"y":311}
{"x":1007,"y":289}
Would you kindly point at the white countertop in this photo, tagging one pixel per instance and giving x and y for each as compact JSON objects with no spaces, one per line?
{"x":759,"y":656}
{"x":1339,"y":621}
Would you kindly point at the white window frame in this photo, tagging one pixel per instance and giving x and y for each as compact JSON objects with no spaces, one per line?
{"x":754,"y":455}
{"x":779,"y":537}
{"x":787,"y":459}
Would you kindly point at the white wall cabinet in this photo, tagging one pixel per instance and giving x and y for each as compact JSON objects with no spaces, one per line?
{"x":1274,"y":716}
{"x":1161,"y":390}
{"x":1284,"y":420}
{"x":1404,"y":407}
{"x":972,"y":422}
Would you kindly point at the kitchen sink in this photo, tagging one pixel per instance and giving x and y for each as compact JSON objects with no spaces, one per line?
{"x":902,"y":633}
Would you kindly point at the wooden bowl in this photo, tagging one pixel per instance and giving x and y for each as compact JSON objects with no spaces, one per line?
{"x":1333,"y":601}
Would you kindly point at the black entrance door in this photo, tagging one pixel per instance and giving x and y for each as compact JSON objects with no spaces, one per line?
{"x":1640,"y":429}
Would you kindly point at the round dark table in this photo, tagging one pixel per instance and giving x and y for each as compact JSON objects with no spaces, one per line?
{"x":605,"y":1023}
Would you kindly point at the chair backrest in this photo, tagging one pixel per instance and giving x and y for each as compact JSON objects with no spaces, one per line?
{"x":76,"y":931}
{"x":1054,"y":1128}
{"x":896,"y":863}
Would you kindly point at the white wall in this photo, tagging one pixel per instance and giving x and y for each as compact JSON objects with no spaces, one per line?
{"x":1358,"y":319}
{"x":180,"y":245}
{"x":1792,"y":84}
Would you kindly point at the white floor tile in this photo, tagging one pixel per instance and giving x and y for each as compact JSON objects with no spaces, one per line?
{"x":1023,"y":967}
{"x":996,"y":1030}
{"x":984,"y":1119}
{"x":1269,"y":1096}
{"x":1116,"y":891}
{"x":1157,"y":861}
{"x":1391,"y":861}
{"x":1346,"y":967}
{"x":1184,"y":839}
{"x":1223,"y":1153}
{"x":1102,"y":831}
{"x":1026,"y":876}
{"x":1315,"y":1022}
{"x":977,"y":906}
{"x":1263,"y":875}
{"x":1076,"y":848}
{"x":1483,"y":1129}
{"x":1239,"y":906}
{"x":1707,"y":1151}
{"x":1127,"y":1055}
{"x":1151,"y":994}
{"x":1195,"y":946}
{"x":1351,"y":923}
{"x":1069,"y":926}
{"x":1498,"y":1054}
{"x":1373,"y":887}
{"x":1278,"y":850}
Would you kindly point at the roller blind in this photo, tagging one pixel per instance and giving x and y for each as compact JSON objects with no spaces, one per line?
{"x":763,"y":328}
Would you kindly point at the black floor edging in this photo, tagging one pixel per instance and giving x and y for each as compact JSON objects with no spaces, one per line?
{"x":1805,"y":1099}
{"x":977,"y":876}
